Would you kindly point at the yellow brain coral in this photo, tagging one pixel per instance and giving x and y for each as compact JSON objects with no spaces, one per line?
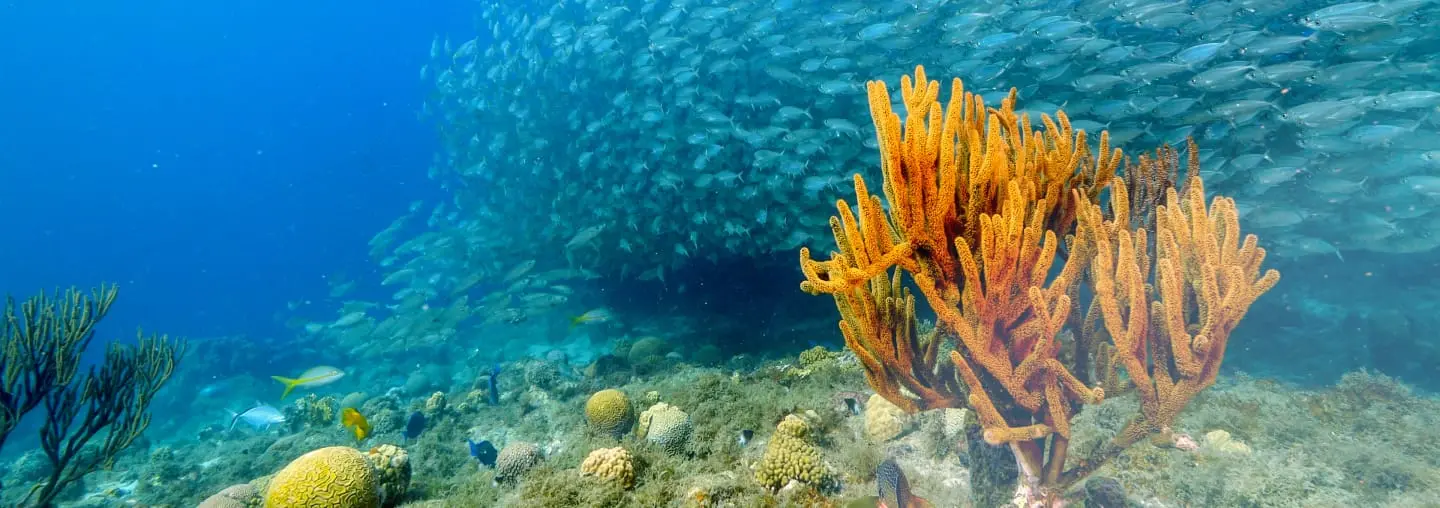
{"x":334,"y":477}
{"x":667,"y":426}
{"x":608,"y":412}
{"x":614,"y":464}
{"x":790,"y":457}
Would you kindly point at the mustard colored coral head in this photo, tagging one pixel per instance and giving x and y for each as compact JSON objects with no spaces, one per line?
{"x":613,"y":464}
{"x":334,"y":477}
{"x":608,"y":412}
{"x":793,"y":426}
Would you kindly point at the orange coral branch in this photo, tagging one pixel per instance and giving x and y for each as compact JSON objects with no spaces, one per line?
{"x":979,"y":203}
{"x":1207,"y":279}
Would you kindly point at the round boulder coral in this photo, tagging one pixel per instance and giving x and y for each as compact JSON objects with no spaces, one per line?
{"x":515,"y":460}
{"x":392,"y":472}
{"x":334,"y":477}
{"x":608,"y":412}
{"x":614,"y":464}
{"x":884,"y":420}
{"x":667,"y":426}
{"x":648,"y":353}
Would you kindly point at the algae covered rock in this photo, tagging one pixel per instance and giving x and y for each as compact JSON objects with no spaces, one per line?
{"x":515,"y":460}
{"x":1221,"y":442}
{"x":790,"y":456}
{"x":817,"y":357}
{"x":334,"y":477}
{"x":608,"y":412}
{"x":392,"y":472}
{"x":667,"y":426}
{"x":614,"y":464}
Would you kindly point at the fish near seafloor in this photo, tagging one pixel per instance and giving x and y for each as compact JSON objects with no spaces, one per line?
{"x":493,"y":383}
{"x":356,"y":422}
{"x":262,"y":416}
{"x":484,"y":452}
{"x":591,"y":316}
{"x":893,"y":488}
{"x":414,"y":425}
{"x":312,"y":377}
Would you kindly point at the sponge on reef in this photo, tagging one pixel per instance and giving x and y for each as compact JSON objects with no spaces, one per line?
{"x":608,"y":412}
{"x":334,"y":477}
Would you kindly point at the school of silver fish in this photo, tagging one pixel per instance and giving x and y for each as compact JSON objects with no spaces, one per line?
{"x":637,"y":136}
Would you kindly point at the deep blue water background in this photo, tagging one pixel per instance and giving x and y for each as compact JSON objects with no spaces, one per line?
{"x":217,"y":159}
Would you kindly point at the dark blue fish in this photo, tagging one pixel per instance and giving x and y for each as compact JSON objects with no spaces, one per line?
{"x":494,"y":384}
{"x":415,"y":425}
{"x":483,"y":452}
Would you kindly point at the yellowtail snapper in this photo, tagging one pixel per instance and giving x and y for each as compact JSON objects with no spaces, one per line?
{"x":312,"y":377}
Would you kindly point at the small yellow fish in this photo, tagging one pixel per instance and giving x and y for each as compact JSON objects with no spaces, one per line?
{"x":315,"y":376}
{"x":356,"y":422}
{"x":591,"y":316}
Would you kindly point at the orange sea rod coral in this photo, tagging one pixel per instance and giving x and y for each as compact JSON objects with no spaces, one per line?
{"x":979,"y":203}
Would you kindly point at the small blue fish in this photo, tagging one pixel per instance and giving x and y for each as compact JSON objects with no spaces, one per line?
{"x":414,"y":425}
{"x":494,"y":384}
{"x":483,"y":452}
{"x":262,"y":416}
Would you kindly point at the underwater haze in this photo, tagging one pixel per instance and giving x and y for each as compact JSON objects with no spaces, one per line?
{"x":710,"y":253}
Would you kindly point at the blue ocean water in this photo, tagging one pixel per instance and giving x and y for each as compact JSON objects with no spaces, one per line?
{"x":215,"y":160}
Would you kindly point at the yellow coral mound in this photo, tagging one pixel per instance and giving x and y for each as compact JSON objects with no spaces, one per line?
{"x":614,"y":464}
{"x":334,"y":477}
{"x":608,"y":412}
{"x":790,"y":457}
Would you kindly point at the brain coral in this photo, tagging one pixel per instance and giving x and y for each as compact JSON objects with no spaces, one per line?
{"x":614,"y":464}
{"x":515,"y":460}
{"x":392,"y":472}
{"x":234,"y":496}
{"x":608,"y":412}
{"x":790,"y":457}
{"x":334,"y":477}
{"x":667,"y":426}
